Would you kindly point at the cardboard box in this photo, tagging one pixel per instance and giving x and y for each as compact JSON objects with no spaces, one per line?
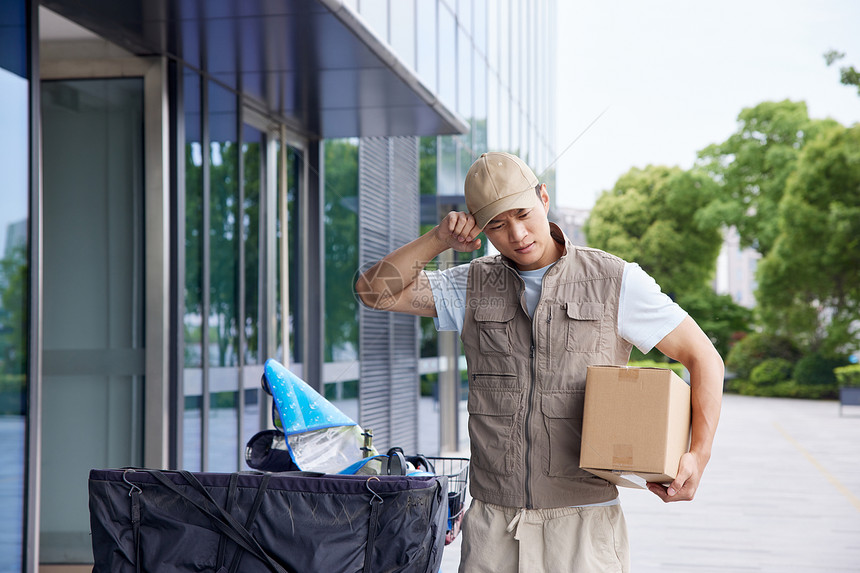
{"x":636,"y":424}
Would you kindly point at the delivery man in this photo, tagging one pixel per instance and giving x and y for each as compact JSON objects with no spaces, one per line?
{"x":532,"y":319}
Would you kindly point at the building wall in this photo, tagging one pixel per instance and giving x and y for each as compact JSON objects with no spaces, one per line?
{"x":736,"y":267}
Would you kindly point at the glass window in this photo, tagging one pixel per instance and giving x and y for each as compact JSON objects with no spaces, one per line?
{"x":464,"y":72}
{"x":253,"y":150}
{"x":403,"y":30}
{"x":341,"y":249}
{"x":426,"y":43}
{"x":479,"y":26}
{"x":465,"y":157}
{"x":447,"y":56}
{"x":493,"y":138}
{"x":14,"y":221}
{"x":427,"y":170}
{"x":294,"y":162}
{"x":514,"y":48}
{"x":464,"y":15}
{"x":493,"y":33}
{"x":447,"y":183}
{"x":341,"y":262}
{"x":223,"y":319}
{"x":504,"y":118}
{"x":479,"y":124}
{"x":375,"y":13}
{"x":516,"y":147}
{"x":193,"y":293}
{"x":504,"y":43}
{"x":253,"y":238}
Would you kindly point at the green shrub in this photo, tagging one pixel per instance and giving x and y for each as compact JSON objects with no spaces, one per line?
{"x":848,"y":376}
{"x":817,"y":370}
{"x":757,"y":347}
{"x":770,"y":372}
{"x":676,"y":367}
{"x":786,"y":389}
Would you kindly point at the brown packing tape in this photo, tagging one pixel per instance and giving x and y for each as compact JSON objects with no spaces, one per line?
{"x":622,"y":456}
{"x":629,"y":374}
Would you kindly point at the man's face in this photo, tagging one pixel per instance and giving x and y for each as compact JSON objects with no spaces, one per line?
{"x":523,"y":235}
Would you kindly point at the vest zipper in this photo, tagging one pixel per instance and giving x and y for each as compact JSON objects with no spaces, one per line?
{"x":532,"y":384}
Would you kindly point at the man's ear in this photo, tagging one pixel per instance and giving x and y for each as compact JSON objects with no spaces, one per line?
{"x":544,"y":197}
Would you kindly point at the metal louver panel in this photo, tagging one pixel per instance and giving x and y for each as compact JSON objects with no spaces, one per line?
{"x":388,"y":207}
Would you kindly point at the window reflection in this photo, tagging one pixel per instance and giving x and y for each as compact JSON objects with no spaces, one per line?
{"x":223,"y":319}
{"x":252,"y":148}
{"x":192,"y":379}
{"x":14,"y":146}
{"x":341,"y":262}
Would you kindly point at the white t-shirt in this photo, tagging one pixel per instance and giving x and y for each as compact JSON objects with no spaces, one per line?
{"x":645,"y":313}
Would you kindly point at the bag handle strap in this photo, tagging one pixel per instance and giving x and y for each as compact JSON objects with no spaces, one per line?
{"x":252,"y":515}
{"x":373,"y":524}
{"x":250,"y":543}
{"x":231,"y":496}
{"x":224,"y":522}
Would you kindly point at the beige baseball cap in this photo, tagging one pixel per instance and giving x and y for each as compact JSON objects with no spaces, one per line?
{"x":498,"y":182}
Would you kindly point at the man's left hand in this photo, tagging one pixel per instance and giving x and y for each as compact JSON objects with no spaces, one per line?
{"x":686,"y":483}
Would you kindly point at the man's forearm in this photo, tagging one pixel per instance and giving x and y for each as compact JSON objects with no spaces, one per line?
{"x":399,"y":269}
{"x":706,"y":384}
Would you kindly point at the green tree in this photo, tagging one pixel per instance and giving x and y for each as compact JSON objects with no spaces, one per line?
{"x":753,"y":165}
{"x":650,"y":217}
{"x":718,"y":315}
{"x":848,"y":75}
{"x":809,"y":284}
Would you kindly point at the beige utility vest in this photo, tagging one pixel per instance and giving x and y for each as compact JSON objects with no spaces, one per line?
{"x":527,"y":376}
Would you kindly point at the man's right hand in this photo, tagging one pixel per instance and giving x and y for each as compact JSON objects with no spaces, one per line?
{"x":459,"y":231}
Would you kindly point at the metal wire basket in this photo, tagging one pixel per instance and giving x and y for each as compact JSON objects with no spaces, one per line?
{"x":457,"y":470}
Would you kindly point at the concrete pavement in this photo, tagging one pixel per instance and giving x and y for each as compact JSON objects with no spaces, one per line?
{"x":781,"y":494}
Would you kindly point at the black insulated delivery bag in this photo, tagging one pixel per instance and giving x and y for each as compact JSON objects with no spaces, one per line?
{"x":293,"y":522}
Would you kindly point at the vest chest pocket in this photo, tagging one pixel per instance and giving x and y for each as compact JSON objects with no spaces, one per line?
{"x":494,"y":329}
{"x":584,"y":326}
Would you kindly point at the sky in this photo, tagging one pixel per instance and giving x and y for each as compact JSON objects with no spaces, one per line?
{"x":671,"y":76}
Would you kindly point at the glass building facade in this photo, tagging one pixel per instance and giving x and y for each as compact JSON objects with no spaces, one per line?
{"x":493,"y":62}
{"x":190,"y":189}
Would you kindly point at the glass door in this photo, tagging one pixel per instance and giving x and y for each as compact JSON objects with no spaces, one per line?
{"x":93,"y":361}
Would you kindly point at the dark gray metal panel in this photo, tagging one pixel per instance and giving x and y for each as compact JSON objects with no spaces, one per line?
{"x":311,"y":61}
{"x":312,"y":289}
{"x":388,"y":218}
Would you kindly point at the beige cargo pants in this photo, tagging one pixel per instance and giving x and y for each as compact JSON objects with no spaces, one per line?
{"x":500,"y":539}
